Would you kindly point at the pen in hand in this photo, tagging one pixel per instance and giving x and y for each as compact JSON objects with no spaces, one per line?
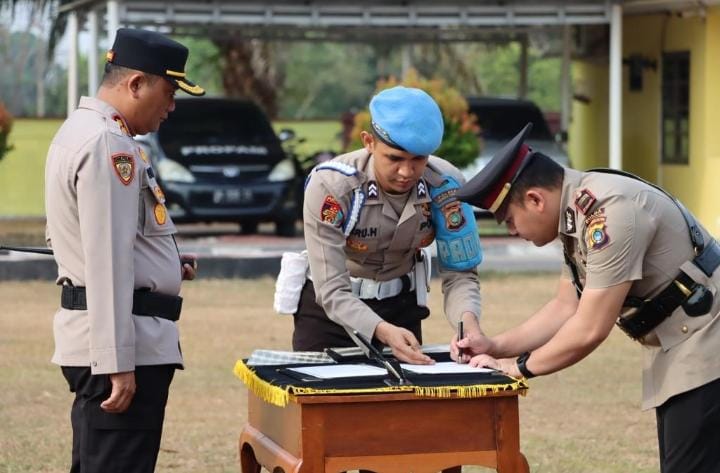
{"x":460,"y":337}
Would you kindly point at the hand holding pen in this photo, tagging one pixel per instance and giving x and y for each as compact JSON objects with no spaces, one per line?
{"x":460,"y":336}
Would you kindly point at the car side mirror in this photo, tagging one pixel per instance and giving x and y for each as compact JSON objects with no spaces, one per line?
{"x":286,"y":134}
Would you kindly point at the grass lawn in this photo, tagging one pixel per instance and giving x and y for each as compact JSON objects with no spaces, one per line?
{"x":583,"y":419}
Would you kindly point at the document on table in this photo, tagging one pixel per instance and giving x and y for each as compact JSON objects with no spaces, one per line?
{"x":354,"y":370}
{"x":445,"y":367}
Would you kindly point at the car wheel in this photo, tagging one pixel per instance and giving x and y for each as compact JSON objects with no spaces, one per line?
{"x":285,"y":228}
{"x":248,"y":228}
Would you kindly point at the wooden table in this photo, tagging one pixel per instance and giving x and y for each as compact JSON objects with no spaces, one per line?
{"x":385,"y":433}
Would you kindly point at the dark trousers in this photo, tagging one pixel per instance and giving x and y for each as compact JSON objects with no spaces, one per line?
{"x":689,"y":431}
{"x":314,"y":331}
{"x":117,"y":443}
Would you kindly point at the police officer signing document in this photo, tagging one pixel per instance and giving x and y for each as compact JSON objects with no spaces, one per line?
{"x":116,"y":337}
{"x":635,"y":257}
{"x":368,"y":215}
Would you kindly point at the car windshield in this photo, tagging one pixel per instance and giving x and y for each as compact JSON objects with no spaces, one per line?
{"x":502,"y":121}
{"x":209,"y":127}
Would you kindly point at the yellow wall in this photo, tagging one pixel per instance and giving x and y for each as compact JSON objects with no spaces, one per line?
{"x":588,"y":132}
{"x":696,"y":184}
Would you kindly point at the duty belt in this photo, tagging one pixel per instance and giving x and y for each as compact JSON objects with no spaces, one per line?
{"x":650,"y":313}
{"x":370,"y":289}
{"x":146,"y":303}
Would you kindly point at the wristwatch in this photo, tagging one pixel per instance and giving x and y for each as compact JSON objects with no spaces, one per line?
{"x":522,"y":367}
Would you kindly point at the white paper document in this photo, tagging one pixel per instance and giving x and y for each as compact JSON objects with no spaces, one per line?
{"x":340,"y":371}
{"x":445,"y":367}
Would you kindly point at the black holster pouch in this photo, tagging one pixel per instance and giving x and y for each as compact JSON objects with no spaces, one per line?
{"x":145,"y":303}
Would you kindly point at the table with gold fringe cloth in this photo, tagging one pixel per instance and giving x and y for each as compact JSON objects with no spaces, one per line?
{"x":273,"y":384}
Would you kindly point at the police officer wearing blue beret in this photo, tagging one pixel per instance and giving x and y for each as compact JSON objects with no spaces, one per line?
{"x":368,"y":216}
{"x":116,"y":337}
{"x":634,"y":257}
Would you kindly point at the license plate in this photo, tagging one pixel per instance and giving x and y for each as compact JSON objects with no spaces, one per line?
{"x":232,"y":196}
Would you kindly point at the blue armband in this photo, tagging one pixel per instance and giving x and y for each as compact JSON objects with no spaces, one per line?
{"x":456,"y":233}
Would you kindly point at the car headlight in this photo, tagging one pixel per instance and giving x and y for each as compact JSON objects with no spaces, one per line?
{"x":172,"y":171}
{"x":283,"y":171}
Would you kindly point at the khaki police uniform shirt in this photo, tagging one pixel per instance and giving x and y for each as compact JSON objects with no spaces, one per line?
{"x":618,"y":229}
{"x":110,"y":232}
{"x":381,"y":246}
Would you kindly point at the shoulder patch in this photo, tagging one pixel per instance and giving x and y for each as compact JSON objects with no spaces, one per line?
{"x":124,"y":166}
{"x":331,"y":212}
{"x":596,"y":235}
{"x":342,"y":168}
{"x":584,"y":201}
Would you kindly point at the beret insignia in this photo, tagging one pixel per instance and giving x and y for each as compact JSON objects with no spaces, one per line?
{"x":331,"y":211}
{"x":124,"y":165}
{"x":596,"y":235}
{"x":160,"y":214}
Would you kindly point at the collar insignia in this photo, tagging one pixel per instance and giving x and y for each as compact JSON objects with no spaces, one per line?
{"x":421,"y":189}
{"x":372,"y":190}
{"x":121,"y":123}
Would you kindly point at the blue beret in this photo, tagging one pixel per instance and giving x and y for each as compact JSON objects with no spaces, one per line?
{"x":407,"y":119}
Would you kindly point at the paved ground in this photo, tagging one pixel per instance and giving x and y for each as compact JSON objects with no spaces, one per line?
{"x":223,"y":252}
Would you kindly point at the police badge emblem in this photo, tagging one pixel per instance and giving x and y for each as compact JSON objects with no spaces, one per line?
{"x":596,"y":235}
{"x":124,"y":165}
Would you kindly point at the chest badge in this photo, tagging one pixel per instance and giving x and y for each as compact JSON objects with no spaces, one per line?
{"x":124,"y":165}
{"x":356,"y":245}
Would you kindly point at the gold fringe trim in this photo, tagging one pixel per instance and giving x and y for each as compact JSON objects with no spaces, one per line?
{"x":262,"y":389}
{"x":280,"y":397}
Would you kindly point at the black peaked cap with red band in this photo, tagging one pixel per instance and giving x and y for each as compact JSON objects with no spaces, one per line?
{"x":491,"y":186}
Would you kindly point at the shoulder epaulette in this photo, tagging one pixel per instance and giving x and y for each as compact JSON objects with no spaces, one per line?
{"x":343,"y":168}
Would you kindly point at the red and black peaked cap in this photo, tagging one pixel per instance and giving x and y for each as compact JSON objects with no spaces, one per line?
{"x":491,"y":186}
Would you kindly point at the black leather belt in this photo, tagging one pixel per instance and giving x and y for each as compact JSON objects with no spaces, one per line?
{"x":146,"y":303}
